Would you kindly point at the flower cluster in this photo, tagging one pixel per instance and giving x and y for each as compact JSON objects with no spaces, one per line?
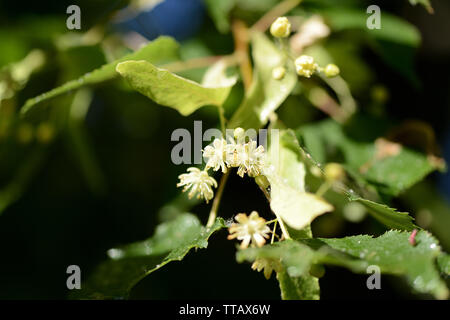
{"x":250,"y":229}
{"x":306,"y":66}
{"x":248,"y":157}
{"x":199,"y":182}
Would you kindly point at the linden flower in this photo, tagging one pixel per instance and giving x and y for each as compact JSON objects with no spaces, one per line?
{"x":250,"y":229}
{"x":216,"y":155}
{"x":305,"y":66}
{"x":234,"y":151}
{"x":280,"y":28}
{"x":251,"y":159}
{"x":199,"y":182}
{"x":267,"y":265}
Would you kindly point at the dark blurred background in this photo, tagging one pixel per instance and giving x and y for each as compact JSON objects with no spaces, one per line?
{"x":59,"y":220}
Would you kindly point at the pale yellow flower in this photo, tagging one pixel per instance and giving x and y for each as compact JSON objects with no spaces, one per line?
{"x":234,"y":153}
{"x":268,"y":265}
{"x":249,"y":229}
{"x":216,"y":155}
{"x":251,"y":159}
{"x":305,"y":66}
{"x":199,"y":182}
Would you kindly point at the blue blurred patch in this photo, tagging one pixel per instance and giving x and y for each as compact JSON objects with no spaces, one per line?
{"x":444,"y":179}
{"x":180,"y":19}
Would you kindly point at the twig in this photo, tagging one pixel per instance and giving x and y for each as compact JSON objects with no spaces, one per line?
{"x":240,"y":34}
{"x":217,"y":198}
{"x":279,"y":10}
{"x":273,"y":231}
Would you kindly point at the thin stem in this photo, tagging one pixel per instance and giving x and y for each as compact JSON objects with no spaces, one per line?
{"x":279,"y":10}
{"x":271,"y":221}
{"x":323,"y":188}
{"x":340,"y":87}
{"x":240,"y":34}
{"x":273,"y":231}
{"x":222,"y":120}
{"x":283,"y":228}
{"x":217,"y":198}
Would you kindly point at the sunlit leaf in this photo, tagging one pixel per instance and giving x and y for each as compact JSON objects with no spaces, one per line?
{"x":159,"y":51}
{"x":266,"y":93}
{"x":171,"y":90}
{"x":286,"y":174}
{"x":388,"y":216}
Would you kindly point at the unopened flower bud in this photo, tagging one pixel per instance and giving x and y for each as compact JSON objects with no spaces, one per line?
{"x":278,"y":73}
{"x":334,"y":171}
{"x":239,"y":133}
{"x":331,"y":70}
{"x":45,"y":132}
{"x":281,"y":28}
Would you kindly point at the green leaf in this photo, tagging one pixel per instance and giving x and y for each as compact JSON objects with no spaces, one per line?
{"x":425,"y":198}
{"x":388,"y":216}
{"x":266,"y":93}
{"x":395,"y":41}
{"x":444,"y":264}
{"x":115,"y":278}
{"x":298,"y":209}
{"x":391,"y":252}
{"x":287,"y":157}
{"x":23,"y":177}
{"x":391,"y":175}
{"x":171,"y":90}
{"x":299,"y":288}
{"x":159,"y":51}
{"x":79,"y":143}
{"x":394,"y":254}
{"x":286,"y":174}
{"x":219,"y":11}
{"x":400,"y":172}
{"x":392,"y":29}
